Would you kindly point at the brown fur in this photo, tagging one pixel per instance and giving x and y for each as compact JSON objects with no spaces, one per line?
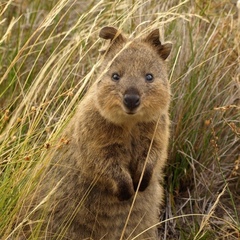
{"x":97,"y":173}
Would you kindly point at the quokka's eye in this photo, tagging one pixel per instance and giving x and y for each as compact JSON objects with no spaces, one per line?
{"x":115,"y":77}
{"x":149,"y":77}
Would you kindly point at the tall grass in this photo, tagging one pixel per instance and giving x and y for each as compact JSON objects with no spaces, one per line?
{"x":49,"y":58}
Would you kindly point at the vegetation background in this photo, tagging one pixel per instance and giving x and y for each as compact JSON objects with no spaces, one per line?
{"x":49,"y":55}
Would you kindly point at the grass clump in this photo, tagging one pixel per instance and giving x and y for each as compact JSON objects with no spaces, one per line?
{"x":49,"y":57}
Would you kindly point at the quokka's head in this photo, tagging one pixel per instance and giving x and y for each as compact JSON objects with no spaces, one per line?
{"x":134,"y":84}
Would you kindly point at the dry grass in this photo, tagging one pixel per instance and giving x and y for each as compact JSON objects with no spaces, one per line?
{"x":49,"y":57}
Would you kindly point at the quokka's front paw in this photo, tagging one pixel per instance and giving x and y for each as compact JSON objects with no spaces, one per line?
{"x":125,"y":191}
{"x":145,"y":180}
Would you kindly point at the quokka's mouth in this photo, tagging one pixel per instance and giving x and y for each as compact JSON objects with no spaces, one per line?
{"x":130,"y":112}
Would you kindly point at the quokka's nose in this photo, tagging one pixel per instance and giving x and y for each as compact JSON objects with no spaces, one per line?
{"x":131,"y":100}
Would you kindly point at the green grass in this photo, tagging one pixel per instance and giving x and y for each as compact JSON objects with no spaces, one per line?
{"x":49,"y":56}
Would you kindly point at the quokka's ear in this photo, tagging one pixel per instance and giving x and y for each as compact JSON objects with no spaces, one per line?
{"x":111,"y":33}
{"x":154,"y":39}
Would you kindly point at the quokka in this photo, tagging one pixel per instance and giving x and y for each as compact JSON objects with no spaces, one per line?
{"x":119,"y":131}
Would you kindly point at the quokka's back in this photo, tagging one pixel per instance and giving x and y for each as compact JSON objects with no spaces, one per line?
{"x":116,"y":148}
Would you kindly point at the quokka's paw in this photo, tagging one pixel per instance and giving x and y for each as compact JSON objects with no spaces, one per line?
{"x":145,"y":180}
{"x":125,"y":191}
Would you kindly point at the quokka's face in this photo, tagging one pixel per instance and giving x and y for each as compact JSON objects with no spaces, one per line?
{"x":134,"y":86}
